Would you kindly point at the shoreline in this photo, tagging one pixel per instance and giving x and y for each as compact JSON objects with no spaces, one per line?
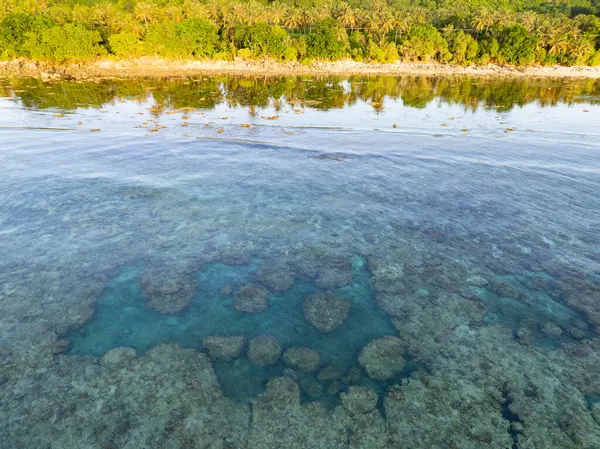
{"x":161,"y":68}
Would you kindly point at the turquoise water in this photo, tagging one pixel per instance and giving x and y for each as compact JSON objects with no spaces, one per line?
{"x":476,"y":246}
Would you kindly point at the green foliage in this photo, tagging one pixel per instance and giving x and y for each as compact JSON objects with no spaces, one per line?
{"x":290,"y":54}
{"x":198,"y":37}
{"x":595,"y":59}
{"x":63,"y":42}
{"x":515,"y":32}
{"x":126,"y":45}
{"x":324,"y":40}
{"x":489,"y":49}
{"x":192,"y":38}
{"x":462,"y":46}
{"x":518,"y":46}
{"x":15,"y":29}
{"x":424,"y":43}
{"x":261,"y":39}
{"x":245,"y":53}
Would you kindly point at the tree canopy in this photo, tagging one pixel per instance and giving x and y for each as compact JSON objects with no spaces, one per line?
{"x":515,"y":32}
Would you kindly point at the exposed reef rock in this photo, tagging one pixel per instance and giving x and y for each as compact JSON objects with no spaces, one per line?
{"x":301,"y":358}
{"x":167,"y":292}
{"x":263,"y":350}
{"x":383,"y":358}
{"x":251,"y":298}
{"x":325,"y":311}
{"x":223,"y":348}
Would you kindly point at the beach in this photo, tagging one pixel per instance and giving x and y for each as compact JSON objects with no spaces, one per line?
{"x":156,"y":67}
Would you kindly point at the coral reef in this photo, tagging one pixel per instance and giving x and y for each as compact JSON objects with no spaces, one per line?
{"x":359,"y":400}
{"x":383,"y":358}
{"x":277,"y":277}
{"x":301,"y":358}
{"x":251,"y":298}
{"x":167,"y":292}
{"x":449,"y":299}
{"x":325,"y":311}
{"x":263,"y":350}
{"x":223,"y":348}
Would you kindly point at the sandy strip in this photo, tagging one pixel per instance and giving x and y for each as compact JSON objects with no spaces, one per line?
{"x":154,"y":67}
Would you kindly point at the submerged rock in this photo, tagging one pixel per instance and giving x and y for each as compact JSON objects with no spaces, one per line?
{"x":264,"y":350}
{"x":118,"y":357}
{"x":5,"y":356}
{"x":330,"y":372}
{"x":552,"y":330}
{"x":325,"y":311}
{"x":61,"y":346}
{"x":251,"y":298}
{"x":302,"y":358}
{"x":223,"y":349}
{"x":333,"y":278}
{"x":278,"y":278}
{"x":311,"y":388}
{"x":167,"y":292}
{"x":281,"y":392}
{"x":359,"y":400}
{"x":383,"y":358}
{"x":596,"y":412}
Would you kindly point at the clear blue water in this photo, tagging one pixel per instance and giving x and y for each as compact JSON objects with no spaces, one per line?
{"x":387,"y":199}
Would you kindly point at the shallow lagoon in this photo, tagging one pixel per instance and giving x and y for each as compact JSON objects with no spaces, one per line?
{"x":458,"y":216}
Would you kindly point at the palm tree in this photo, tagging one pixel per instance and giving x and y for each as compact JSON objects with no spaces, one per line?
{"x":292,"y":19}
{"x":174,"y":13}
{"x":528,"y":20}
{"x":145,"y":12}
{"x":214,"y":10}
{"x":347,"y":18}
{"x":482,"y":20}
{"x":278,"y":13}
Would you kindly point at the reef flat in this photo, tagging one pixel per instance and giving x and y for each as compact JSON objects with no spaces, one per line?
{"x":347,"y":288}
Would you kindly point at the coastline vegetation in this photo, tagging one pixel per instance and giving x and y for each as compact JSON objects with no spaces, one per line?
{"x":466,"y":32}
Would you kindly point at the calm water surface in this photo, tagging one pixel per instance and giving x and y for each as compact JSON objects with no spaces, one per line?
{"x":230,"y":262}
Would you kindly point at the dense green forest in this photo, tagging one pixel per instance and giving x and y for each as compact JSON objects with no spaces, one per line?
{"x":514,"y":32}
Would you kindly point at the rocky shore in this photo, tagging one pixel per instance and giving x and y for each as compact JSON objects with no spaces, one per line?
{"x":155,"y":67}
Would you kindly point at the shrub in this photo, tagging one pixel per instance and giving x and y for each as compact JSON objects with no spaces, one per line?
{"x":488,"y":51}
{"x":324,"y":40}
{"x":126,"y":45}
{"x":60,"y":43}
{"x":290,"y":54}
{"x":423,"y":43}
{"x":518,"y":46}
{"x":245,"y":53}
{"x":15,"y":29}
{"x":357,"y":45}
{"x":463,"y":47}
{"x":198,"y":37}
{"x":190,"y":38}
{"x":261,"y":39}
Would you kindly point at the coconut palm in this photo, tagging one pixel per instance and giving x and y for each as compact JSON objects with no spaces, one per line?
{"x":347,"y":17}
{"x":278,"y":12}
{"x":145,"y":12}
{"x":292,"y":19}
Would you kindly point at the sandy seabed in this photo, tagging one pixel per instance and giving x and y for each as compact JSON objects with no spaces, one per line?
{"x":156,"y":67}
